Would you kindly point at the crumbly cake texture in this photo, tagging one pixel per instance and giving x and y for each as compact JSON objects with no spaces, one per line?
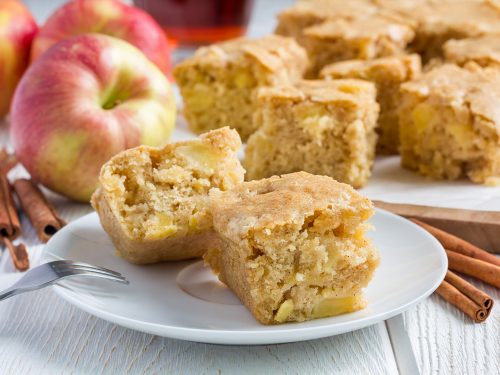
{"x":153,"y":202}
{"x":450,"y":124}
{"x":321,"y":127}
{"x":364,"y":39}
{"x":484,"y":51}
{"x":219,"y":82}
{"x":388,"y":73}
{"x":440,"y":21}
{"x":293,"y":248}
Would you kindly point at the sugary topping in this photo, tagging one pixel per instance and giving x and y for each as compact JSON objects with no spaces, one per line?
{"x":370,"y":28}
{"x":399,"y":68}
{"x":484,"y":50}
{"x":280,"y":200}
{"x":273,"y":51}
{"x":352,"y":90}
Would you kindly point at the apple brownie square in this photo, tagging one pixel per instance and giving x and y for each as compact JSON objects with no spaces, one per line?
{"x":293,"y":248}
{"x":293,"y":20}
{"x":440,"y":21}
{"x":219,"y":82}
{"x":321,"y":127}
{"x":388,"y":73}
{"x":483,"y":50}
{"x":450,"y":124}
{"x":153,"y":202}
{"x":365,"y":39}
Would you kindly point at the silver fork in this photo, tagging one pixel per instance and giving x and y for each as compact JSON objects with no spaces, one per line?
{"x":52,"y":272}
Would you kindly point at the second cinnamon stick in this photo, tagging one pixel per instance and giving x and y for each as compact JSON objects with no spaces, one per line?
{"x":487,"y":272}
{"x":458,"y":245}
{"x":40,"y":212}
{"x":478,"y":296}
{"x":10,"y":225}
{"x":455,"y":297}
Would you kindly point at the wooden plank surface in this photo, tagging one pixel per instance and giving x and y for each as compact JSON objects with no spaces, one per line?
{"x":41,"y":334}
{"x":445,"y":341}
{"x":482,"y":228}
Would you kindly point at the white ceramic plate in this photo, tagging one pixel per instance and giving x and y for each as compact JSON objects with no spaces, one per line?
{"x":184,"y":300}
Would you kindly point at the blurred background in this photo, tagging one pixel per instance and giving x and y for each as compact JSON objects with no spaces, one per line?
{"x":231,"y":15}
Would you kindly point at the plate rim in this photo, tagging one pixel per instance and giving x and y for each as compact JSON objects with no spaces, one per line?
{"x":245,"y":337}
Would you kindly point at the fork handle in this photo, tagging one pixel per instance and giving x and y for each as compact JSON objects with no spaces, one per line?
{"x":11,"y":292}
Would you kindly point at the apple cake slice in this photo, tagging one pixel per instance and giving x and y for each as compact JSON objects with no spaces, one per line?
{"x":387,"y":73}
{"x":153,"y":202}
{"x":450,"y":124}
{"x":293,"y":248}
{"x":317,"y":126}
{"x":218,"y":83}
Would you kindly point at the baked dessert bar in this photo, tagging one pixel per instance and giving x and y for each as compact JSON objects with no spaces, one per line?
{"x":218,"y":83}
{"x":153,"y":202}
{"x":388,"y":73}
{"x":293,"y":248}
{"x":365,"y":39}
{"x":450,"y":124}
{"x":483,"y":50}
{"x":293,"y":20}
{"x":321,"y":127}
{"x":440,"y":21}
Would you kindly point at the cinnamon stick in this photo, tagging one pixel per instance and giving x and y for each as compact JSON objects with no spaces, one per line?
{"x":18,"y":254}
{"x":455,"y":297}
{"x":10,"y":225}
{"x":476,"y":295}
{"x":487,"y":272}
{"x":458,"y":245}
{"x":40,"y":212}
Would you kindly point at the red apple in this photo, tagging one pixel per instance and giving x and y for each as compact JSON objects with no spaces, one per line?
{"x":84,"y":100}
{"x":110,"y":17}
{"x":17,"y":29}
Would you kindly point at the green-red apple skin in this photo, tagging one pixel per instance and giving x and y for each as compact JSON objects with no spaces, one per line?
{"x":17,"y":30}
{"x":110,"y":17}
{"x":86,"y":99}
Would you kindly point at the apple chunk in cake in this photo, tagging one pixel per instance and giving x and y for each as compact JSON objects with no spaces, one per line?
{"x":218,"y":83}
{"x":388,"y":73}
{"x":320,"y":127}
{"x":153,"y":202}
{"x":450,"y":124}
{"x":293,"y":248}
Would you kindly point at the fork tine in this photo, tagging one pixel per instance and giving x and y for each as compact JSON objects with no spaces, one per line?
{"x":87,"y":267}
{"x":98,"y":275}
{"x":82,"y":264}
{"x":84,"y":268}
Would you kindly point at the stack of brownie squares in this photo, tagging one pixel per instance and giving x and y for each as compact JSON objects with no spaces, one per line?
{"x":301,"y":98}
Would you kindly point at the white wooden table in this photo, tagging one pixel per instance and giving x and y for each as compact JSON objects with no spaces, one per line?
{"x":42,"y":334}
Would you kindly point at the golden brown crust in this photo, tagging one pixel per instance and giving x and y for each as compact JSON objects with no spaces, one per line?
{"x":278,"y":200}
{"x":320,"y":91}
{"x":484,"y":51}
{"x":369,"y":29}
{"x":399,"y":68}
{"x":273,"y":52}
{"x":339,"y":39}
